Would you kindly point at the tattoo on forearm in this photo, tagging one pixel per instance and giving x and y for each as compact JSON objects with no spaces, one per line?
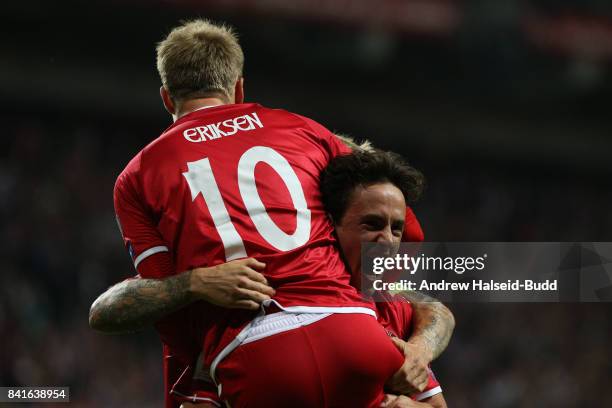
{"x":134,"y":304}
{"x":433,"y":323}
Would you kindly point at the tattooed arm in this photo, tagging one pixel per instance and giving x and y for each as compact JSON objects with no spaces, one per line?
{"x":432,"y":324}
{"x":134,"y":304}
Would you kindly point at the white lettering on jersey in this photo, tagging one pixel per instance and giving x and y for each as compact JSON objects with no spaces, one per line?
{"x":227,"y":127}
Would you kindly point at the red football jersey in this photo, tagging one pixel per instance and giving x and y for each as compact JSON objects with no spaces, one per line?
{"x":232,"y":181}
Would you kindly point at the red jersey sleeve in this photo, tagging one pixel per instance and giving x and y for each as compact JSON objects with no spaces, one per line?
{"x":412,"y":228}
{"x":144,"y":243}
{"x":334,"y":145}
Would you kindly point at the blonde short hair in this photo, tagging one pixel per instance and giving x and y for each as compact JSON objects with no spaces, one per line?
{"x":199,"y":59}
{"x":364,"y":146}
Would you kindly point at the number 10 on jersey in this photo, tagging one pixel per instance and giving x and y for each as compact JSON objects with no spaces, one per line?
{"x":201,"y":179}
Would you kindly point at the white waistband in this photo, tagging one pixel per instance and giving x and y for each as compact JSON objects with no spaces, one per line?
{"x":280,"y":322}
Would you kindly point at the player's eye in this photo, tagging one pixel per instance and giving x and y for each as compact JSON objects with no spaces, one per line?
{"x":373,"y":225}
{"x":397,"y":229}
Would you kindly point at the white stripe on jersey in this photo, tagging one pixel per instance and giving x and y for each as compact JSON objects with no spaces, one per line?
{"x":148,"y":253}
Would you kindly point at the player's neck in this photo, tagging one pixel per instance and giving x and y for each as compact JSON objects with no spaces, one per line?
{"x":192,"y":105}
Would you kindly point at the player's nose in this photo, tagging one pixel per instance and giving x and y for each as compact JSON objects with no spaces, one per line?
{"x":385,"y":235}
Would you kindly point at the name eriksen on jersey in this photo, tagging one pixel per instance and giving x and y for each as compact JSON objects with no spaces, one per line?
{"x":227,"y":127}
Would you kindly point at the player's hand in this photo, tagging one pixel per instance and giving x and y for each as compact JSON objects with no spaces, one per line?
{"x":401,"y":401}
{"x":235,"y":284}
{"x":200,"y":405}
{"x":413,"y":375}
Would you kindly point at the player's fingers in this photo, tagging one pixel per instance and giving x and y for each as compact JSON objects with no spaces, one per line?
{"x":409,"y":381}
{"x":246,"y":304}
{"x":420,"y":383}
{"x":417,"y":370}
{"x":398,"y":343}
{"x":402,"y":382}
{"x":388,"y":400}
{"x":257,"y":286}
{"x":401,"y":402}
{"x":408,"y":388}
{"x":252,"y":295}
{"x":254,"y":263}
{"x":254,"y":275}
{"x":393,"y":404}
{"x":425,"y":380}
{"x":422,"y":374}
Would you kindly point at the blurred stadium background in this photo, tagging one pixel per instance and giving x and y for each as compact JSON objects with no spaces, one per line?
{"x":503,"y":104}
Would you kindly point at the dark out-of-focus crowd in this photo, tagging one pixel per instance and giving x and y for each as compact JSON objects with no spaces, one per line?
{"x":61,"y":248}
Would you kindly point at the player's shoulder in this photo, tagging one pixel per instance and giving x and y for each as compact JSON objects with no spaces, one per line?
{"x":129,"y":172}
{"x":151,"y":155}
{"x":298,"y":119}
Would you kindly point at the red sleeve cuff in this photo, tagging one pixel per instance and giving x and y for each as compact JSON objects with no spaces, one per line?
{"x":156,"y":266}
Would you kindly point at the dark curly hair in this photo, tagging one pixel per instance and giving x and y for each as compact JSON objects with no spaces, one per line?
{"x":363,"y":168}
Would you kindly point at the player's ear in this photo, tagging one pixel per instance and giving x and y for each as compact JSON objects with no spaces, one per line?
{"x":239,"y":91}
{"x":167,"y":100}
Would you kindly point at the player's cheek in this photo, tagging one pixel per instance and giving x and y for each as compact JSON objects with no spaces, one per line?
{"x":368,"y":236}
